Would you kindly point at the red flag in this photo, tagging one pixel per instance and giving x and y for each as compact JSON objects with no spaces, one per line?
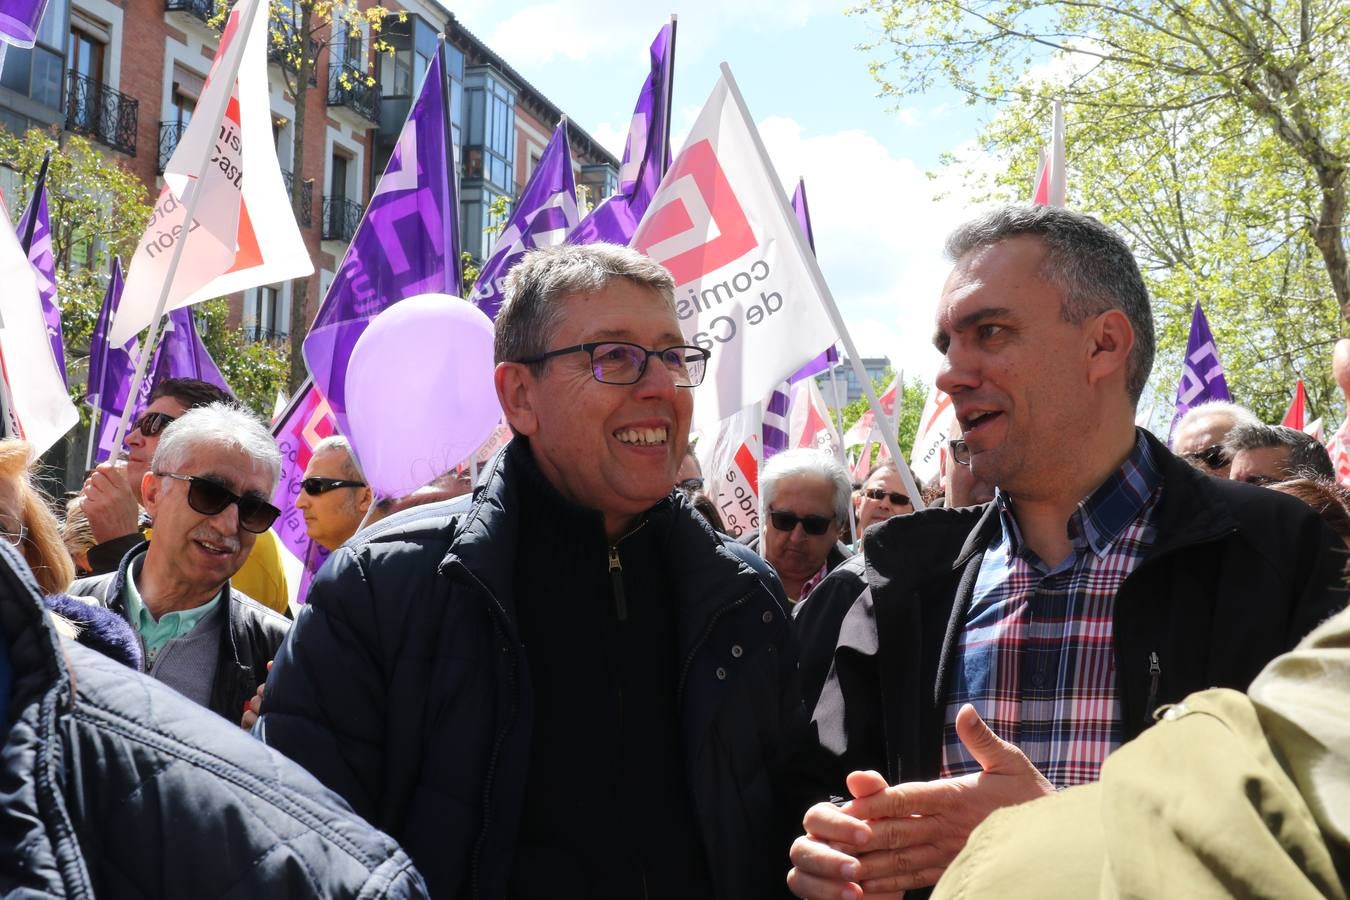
{"x":1294,"y":418}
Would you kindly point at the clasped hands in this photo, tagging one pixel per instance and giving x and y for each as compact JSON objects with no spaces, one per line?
{"x":892,"y":839}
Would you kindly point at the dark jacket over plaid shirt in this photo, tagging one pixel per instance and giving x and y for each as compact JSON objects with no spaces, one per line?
{"x":1235,"y":576}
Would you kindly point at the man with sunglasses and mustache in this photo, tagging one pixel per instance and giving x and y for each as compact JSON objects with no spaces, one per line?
{"x":334,"y":497}
{"x":111,"y":496}
{"x":207,"y":489}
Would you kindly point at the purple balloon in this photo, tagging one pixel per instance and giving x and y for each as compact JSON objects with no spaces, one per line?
{"x":420,"y":394}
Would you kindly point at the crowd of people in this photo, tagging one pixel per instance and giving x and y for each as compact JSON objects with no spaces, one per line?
{"x":1090,"y":665}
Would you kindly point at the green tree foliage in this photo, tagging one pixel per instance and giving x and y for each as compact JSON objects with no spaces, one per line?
{"x":913,"y":395}
{"x":1212,"y":134}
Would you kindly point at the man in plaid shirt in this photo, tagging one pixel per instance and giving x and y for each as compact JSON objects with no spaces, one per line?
{"x":1107,"y":577}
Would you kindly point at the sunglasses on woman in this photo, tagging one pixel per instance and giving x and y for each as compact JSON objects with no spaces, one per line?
{"x":211,"y":497}
{"x":314,"y":486}
{"x":786,"y":521}
{"x":896,"y":498}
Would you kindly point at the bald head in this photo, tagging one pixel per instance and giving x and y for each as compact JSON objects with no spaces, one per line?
{"x":1340,"y":364}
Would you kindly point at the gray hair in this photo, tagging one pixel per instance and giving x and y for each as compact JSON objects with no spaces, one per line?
{"x":530,"y":313}
{"x":351,"y":468}
{"x":805,"y":461}
{"x":1237,"y":415}
{"x":1307,"y":458}
{"x":217,"y":423}
{"x":1086,"y":260}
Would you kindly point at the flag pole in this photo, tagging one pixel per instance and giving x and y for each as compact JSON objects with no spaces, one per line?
{"x":670,"y":94}
{"x":190,"y":216}
{"x":827,"y":298}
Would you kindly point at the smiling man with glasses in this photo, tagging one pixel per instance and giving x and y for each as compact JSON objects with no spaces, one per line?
{"x":568,"y":687}
{"x":208,"y":490}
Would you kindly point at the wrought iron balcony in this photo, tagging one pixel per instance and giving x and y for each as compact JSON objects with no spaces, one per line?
{"x":96,"y":110}
{"x":350,"y":87}
{"x":170,"y":133}
{"x":340,"y":218}
{"x":306,"y":215}
{"x":254,"y":332}
{"x":199,"y":9}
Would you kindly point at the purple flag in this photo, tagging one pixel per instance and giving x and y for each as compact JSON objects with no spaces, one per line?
{"x":1201,"y":371}
{"x":306,"y":421}
{"x":407,"y":243}
{"x":774,"y":428}
{"x":181,"y":353}
{"x":544,"y":214}
{"x":831,"y":356}
{"x":646,"y":156}
{"x":19,"y":21}
{"x":110,"y":370}
{"x":35,"y":235}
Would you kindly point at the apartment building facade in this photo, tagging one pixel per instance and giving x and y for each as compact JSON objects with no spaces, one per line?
{"x":127,"y":74}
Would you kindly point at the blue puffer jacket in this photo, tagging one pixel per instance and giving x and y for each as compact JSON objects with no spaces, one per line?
{"x":404,"y":686}
{"x":116,"y":786}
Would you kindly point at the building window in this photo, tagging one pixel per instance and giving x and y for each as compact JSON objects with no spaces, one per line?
{"x":266,"y":314}
{"x":338,"y":189}
{"x":490,"y":129}
{"x":38,"y":72}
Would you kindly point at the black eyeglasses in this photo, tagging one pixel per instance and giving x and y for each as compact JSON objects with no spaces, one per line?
{"x":619,"y":362}
{"x":896,"y":498}
{"x":210,"y":498}
{"x":1212,"y":458}
{"x":959,"y":451}
{"x":786,"y":521}
{"x":691,"y":484}
{"x":314,"y":486}
{"x":152,"y":423}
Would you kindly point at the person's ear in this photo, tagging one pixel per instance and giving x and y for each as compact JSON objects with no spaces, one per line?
{"x":151,"y":485}
{"x":1111,"y":338}
{"x":518,"y":395}
{"x":365,"y":498}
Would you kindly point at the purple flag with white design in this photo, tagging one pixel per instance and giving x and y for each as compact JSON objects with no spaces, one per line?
{"x":19,"y":21}
{"x":407,"y":243}
{"x":1201,"y":370}
{"x":831,"y":356}
{"x":646,"y":155}
{"x":543,"y":216}
{"x":35,"y":236}
{"x":110,"y":370}
{"x":181,"y":353}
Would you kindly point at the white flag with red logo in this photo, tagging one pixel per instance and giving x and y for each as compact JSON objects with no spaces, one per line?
{"x":747,"y":285}
{"x":809,"y":422}
{"x":1050,"y":176}
{"x":1339,"y":448}
{"x":937,"y":423}
{"x":243,"y":234}
{"x":730,"y":459}
{"x":35,"y":404}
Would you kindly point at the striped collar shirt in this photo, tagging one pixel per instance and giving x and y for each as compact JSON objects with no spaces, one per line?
{"x":1036,"y":656}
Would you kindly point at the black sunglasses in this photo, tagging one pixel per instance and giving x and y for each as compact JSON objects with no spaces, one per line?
{"x":1214,"y":457}
{"x":152,"y":423}
{"x":314,"y":486}
{"x":786,"y":521}
{"x":896,"y":498}
{"x":210,"y":498}
{"x":691,"y":484}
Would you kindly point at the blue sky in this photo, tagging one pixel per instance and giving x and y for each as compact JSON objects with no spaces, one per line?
{"x":878,"y":228}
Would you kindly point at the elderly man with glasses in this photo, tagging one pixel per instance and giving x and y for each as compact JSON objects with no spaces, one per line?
{"x":208,"y":485}
{"x":1199,"y":436}
{"x":568,"y":686}
{"x":111,"y":496}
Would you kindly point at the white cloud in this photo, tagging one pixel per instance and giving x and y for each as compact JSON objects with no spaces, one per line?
{"x":879,"y":233}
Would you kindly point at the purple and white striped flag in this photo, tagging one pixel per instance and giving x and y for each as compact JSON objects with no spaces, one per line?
{"x":646,"y":156}
{"x":543,"y":216}
{"x":110,"y":369}
{"x":407,"y":243}
{"x":1201,"y":371}
{"x":35,"y":236}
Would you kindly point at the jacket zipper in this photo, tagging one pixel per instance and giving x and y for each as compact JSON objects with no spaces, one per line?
{"x":1154,"y":674}
{"x":616,"y":581}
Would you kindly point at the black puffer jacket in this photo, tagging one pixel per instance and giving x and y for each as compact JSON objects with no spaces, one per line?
{"x":1237,"y":576}
{"x":247,"y":643}
{"x":116,"y":786}
{"x":405,"y":687}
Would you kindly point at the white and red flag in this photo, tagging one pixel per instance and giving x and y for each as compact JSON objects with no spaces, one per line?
{"x":34,"y":402}
{"x":937,"y":423}
{"x":747,"y":285}
{"x":1049,"y":186}
{"x":1339,"y":448}
{"x":243,"y":232}
{"x":730,"y":459}
{"x":809,"y":423}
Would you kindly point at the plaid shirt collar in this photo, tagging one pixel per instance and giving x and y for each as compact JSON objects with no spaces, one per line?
{"x":1102,"y":515}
